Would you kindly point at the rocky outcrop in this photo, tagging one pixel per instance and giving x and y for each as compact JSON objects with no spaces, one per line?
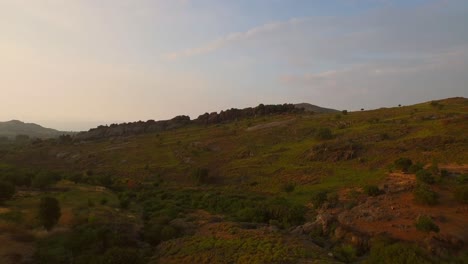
{"x":135,"y":128}
{"x":237,"y":114}
{"x":151,"y":126}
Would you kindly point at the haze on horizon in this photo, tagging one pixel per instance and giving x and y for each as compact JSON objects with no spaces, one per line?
{"x":72,"y":65}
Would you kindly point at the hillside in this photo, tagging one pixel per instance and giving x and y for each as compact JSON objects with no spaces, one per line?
{"x":13,"y":128}
{"x":285,"y":187}
{"x":316,"y":109}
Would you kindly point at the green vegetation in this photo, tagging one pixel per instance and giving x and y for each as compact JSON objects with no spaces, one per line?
{"x":49,"y":212}
{"x":235,"y":191}
{"x":425,"y":176}
{"x":324,"y":133}
{"x":372,"y":190}
{"x":425,"y":223}
{"x":7,"y":190}
{"x":403,"y":164}
{"x":423,"y":194}
{"x":385,"y":252}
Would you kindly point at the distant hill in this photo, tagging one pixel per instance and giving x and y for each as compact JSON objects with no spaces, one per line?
{"x":316,"y":109}
{"x":13,"y":128}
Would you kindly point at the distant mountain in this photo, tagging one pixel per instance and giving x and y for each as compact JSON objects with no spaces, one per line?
{"x":13,"y":128}
{"x":316,"y":109}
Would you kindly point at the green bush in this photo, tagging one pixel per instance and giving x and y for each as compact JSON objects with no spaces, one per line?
{"x":425,"y":177}
{"x":414,"y":168}
{"x":423,"y":194}
{"x":319,"y":198}
{"x":49,"y":212}
{"x":392,"y":253}
{"x":372,"y":190}
{"x":425,"y":223}
{"x":345,"y":253}
{"x":45,"y":179}
{"x":288,"y":187}
{"x":201,"y":175}
{"x":461,"y":194}
{"x":324,"y":133}
{"x":7,"y":190}
{"x":403,"y":164}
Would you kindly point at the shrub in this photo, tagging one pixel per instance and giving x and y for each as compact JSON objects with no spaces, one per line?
{"x":288,"y":187}
{"x":414,"y":168}
{"x":372,"y":190}
{"x":425,"y":176}
{"x":425,"y":223}
{"x":319,"y":198}
{"x":461,"y":194}
{"x":7,"y":190}
{"x":201,"y":175}
{"x":49,"y":212}
{"x":462,"y":179}
{"x":403,"y":164}
{"x":44,"y":179}
{"x":423,"y":194}
{"x":390,"y":253}
{"x":345,"y":253}
{"x":324,"y":133}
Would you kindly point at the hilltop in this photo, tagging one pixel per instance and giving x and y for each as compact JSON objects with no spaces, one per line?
{"x":13,"y":128}
{"x":243,"y":187}
{"x":314,"y":108}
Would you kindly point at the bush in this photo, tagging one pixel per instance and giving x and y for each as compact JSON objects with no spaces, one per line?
{"x":425,"y":223}
{"x":49,"y":212}
{"x":201,"y":175}
{"x":425,"y":177}
{"x":415,"y":168}
{"x":461,"y":194}
{"x":7,"y":190}
{"x":423,"y":194}
{"x":324,"y":133}
{"x":403,"y":164}
{"x":402,"y":253}
{"x":319,"y":198}
{"x":44,"y":179}
{"x":372,"y":190}
{"x":288,"y":187}
{"x":345,"y":253}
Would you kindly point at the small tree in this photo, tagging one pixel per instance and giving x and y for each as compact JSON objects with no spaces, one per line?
{"x":7,"y":190}
{"x":344,"y":112}
{"x":403,"y":164}
{"x":49,"y":212}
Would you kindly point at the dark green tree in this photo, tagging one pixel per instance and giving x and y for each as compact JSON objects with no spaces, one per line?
{"x":49,"y":212}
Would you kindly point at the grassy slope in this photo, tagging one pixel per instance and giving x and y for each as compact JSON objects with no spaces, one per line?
{"x":252,"y":162}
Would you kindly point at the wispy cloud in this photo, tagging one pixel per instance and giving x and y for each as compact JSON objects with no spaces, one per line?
{"x":235,"y":37}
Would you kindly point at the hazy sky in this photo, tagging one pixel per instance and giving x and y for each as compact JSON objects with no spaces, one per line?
{"x":71,"y":64}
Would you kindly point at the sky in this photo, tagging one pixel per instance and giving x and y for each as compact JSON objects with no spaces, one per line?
{"x":76,"y":64}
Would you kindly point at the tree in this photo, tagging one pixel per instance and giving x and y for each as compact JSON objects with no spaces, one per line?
{"x":44,"y":179}
{"x":49,"y":212}
{"x":344,"y":112}
{"x":7,"y":190}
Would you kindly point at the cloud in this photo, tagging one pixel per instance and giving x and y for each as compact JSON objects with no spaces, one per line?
{"x":235,"y":37}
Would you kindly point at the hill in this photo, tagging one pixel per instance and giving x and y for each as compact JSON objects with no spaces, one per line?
{"x":13,"y":128}
{"x":287,"y":187}
{"x":316,"y":109}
